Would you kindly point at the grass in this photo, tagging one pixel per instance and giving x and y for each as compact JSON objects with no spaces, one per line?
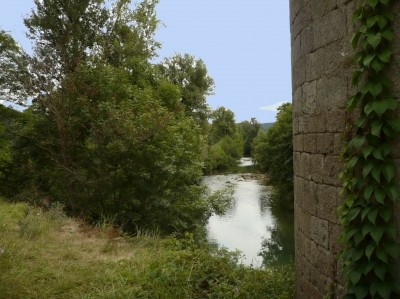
{"x":47,"y":255}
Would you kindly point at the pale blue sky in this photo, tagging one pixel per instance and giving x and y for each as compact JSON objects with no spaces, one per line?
{"x":244,"y":43}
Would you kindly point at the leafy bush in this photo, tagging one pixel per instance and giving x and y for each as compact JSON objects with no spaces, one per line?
{"x":273,"y":153}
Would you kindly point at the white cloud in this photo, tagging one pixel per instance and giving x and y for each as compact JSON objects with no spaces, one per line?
{"x":272,"y":107}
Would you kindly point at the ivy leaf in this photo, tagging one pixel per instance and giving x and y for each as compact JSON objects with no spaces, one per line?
{"x":376,"y":233}
{"x":373,"y":289}
{"x":353,"y":213}
{"x":386,"y":149}
{"x":385,"y":290}
{"x":364,"y":212}
{"x":382,"y":255}
{"x":367,"y":151}
{"x":360,"y":292}
{"x":369,"y":250}
{"x":358,"y":141}
{"x":368,"y":168}
{"x":389,"y":171}
{"x":373,"y":3}
{"x":387,"y":34}
{"x":355,"y":277}
{"x":379,"y":196}
{"x":353,"y":101}
{"x":376,"y":129}
{"x":393,"y":250}
{"x":373,"y":88}
{"x":355,"y":38}
{"x":381,"y":106}
{"x":393,"y":192}
{"x":352,"y":162}
{"x":394,"y":124}
{"x":368,"y":192}
{"x":356,"y":76}
{"x":372,"y":215}
{"x":374,"y":39}
{"x":385,"y":55}
{"x":385,"y":213}
{"x":376,"y":174}
{"x":367,"y":59}
{"x":380,"y":271}
{"x":378,"y":154}
{"x":377,"y":65}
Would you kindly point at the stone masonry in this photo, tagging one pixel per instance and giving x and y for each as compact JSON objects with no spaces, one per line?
{"x":321,"y":79}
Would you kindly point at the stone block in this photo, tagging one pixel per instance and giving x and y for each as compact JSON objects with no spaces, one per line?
{"x":296,"y":49}
{"x":331,"y":94}
{"x":298,"y":143}
{"x":331,"y":170}
{"x":317,"y":166}
{"x":325,"y":143}
{"x":336,"y":120}
{"x":295,"y":125}
{"x":298,"y":73}
{"x":309,"y":97}
{"x":328,"y":202}
{"x":302,"y":20}
{"x":317,"y":123}
{"x":303,"y":124}
{"x":321,"y":8}
{"x":297,"y":95}
{"x":320,"y":232}
{"x":305,"y":165}
{"x":330,"y":28}
{"x":310,"y":143}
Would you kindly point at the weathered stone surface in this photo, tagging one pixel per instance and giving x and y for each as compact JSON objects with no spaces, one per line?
{"x":321,"y":70}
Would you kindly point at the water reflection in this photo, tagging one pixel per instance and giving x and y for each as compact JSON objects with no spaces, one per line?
{"x":249,"y":225}
{"x":278,"y":247}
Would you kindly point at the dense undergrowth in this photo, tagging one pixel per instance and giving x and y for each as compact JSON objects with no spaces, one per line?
{"x":47,"y":255}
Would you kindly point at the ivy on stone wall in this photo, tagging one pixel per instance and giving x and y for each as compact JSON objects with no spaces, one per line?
{"x":369,"y":179}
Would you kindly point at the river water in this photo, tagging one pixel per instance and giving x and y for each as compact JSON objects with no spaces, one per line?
{"x":249,"y":225}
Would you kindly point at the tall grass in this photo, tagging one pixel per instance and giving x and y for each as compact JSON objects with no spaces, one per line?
{"x":47,"y":255}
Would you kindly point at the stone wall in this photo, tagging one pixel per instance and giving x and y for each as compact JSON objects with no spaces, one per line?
{"x":321,"y":81}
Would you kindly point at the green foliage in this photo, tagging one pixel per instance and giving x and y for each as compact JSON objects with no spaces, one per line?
{"x":14,"y":76}
{"x":194,"y":82}
{"x":106,"y":134}
{"x":273,"y":154}
{"x":66,"y":259}
{"x":249,"y":131}
{"x":369,"y":184}
{"x":226,"y":143}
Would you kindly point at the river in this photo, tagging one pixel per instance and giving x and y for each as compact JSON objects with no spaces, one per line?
{"x":249,"y":225}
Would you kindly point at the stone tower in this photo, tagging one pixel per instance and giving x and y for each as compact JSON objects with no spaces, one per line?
{"x":321,"y":81}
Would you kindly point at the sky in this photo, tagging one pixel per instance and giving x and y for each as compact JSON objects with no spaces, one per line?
{"x":245,"y":45}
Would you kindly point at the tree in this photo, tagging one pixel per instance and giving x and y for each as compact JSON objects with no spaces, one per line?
{"x":105,"y":134}
{"x":14,"y":75}
{"x":273,"y":153}
{"x":249,"y":131}
{"x":191,"y":76}
{"x":226,"y":144}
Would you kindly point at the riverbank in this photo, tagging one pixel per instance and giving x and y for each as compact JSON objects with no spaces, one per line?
{"x":47,"y":255}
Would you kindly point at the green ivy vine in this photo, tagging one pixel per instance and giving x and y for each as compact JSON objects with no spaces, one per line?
{"x":369,"y":174}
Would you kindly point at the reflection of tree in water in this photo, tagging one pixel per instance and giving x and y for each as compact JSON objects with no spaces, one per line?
{"x":279,"y":248}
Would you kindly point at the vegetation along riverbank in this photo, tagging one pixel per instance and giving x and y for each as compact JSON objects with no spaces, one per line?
{"x":44,"y":254}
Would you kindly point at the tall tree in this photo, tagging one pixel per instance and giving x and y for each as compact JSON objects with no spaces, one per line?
{"x":105,"y":133}
{"x":14,"y":75}
{"x":191,"y":76}
{"x":248,"y":130}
